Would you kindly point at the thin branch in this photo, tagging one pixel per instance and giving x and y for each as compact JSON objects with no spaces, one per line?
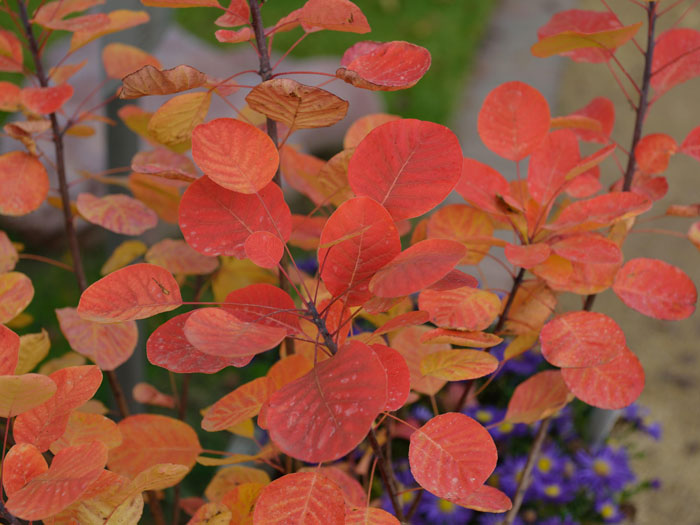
{"x":46,"y":260}
{"x":388,"y":481}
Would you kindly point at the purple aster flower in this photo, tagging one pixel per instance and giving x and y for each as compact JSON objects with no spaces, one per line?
{"x":525,"y":364}
{"x":421,"y":413}
{"x":605,"y":471}
{"x":550,"y":464}
{"x":508,"y":430}
{"x":496,"y":519}
{"x":655,"y":484}
{"x":609,"y":511}
{"x":438,"y":511}
{"x":402,"y":471}
{"x":485,"y":414}
{"x":509,"y":473}
{"x":406,"y":500}
{"x":557,"y":520}
{"x":553,"y":490}
{"x":308,"y":265}
{"x":653,"y":428}
{"x":639,"y":417}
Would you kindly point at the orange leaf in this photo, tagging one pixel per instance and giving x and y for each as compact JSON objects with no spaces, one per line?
{"x":534,"y":302}
{"x":227,"y":478}
{"x":173,"y":123}
{"x":24,"y":182}
{"x":607,"y":41}
{"x":121,"y":60}
{"x":109,"y":345}
{"x":303,"y":497}
{"x":403,"y":320}
{"x":234,"y":37}
{"x":335,"y":15}
{"x":462,"y":308}
{"x":45,"y":100}
{"x":369,"y":516}
{"x":16,"y":292}
{"x":458,"y":365}
{"x":295,"y":105}
{"x":656,"y":289}
{"x":9,"y":95}
{"x":408,"y":343}
{"x":538,"y":397}
{"x":264,"y":249}
{"x":241,"y":404}
{"x":117,"y":213}
{"x":71,"y":472}
{"x":9,"y":351}
{"x":165,"y":163}
{"x":265,"y":304}
{"x":550,"y":163}
{"x":602,"y":110}
{"x":581,"y":339}
{"x":135,"y":292}
{"x":84,"y":427}
{"x":216,"y":221}
{"x":424,"y":165}
{"x":691,"y":144}
{"x":162,"y":196}
{"x":384,"y":66}
{"x":527,"y":255}
{"x":150,"y":80}
{"x":653,"y":152}
{"x":417,"y":267}
{"x":485,"y":499}
{"x":19,"y":394}
{"x":181,"y":3}
{"x":328,"y":412}
{"x":359,"y":129}
{"x":676,"y":58}
{"x":616,"y":384}
{"x":513,"y":120}
{"x":237,"y":14}
{"x":178,"y":258}
{"x":464,"y":224}
{"x":119,"y":20}
{"x":11,"y":58}
{"x":287,"y":370}
{"x":169,"y":348}
{"x":451,"y":455}
{"x":397,"y":374}
{"x":44,"y":424}
{"x":604,"y":210}
{"x":148,"y":440}
{"x":217,"y":332}
{"x":460,"y":338}
{"x":22,"y":463}
{"x":357,"y":240}
{"x":147,"y":394}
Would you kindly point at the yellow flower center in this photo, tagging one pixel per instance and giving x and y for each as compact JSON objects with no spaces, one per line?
{"x":446,"y":507}
{"x":552,"y":490}
{"x":544,"y":464}
{"x":484,"y":416}
{"x":506,"y":427}
{"x":601,"y":467}
{"x":407,"y":497}
{"x":607,"y":511}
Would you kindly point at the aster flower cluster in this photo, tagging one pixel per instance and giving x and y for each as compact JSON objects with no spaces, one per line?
{"x":570,"y":483}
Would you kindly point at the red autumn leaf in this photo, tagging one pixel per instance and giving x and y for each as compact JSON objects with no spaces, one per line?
{"x":237,"y":14}
{"x":135,"y":292}
{"x":150,"y":80}
{"x":161,"y":195}
{"x":216,"y":332}
{"x":119,"y":20}
{"x":485,"y":499}
{"x":676,"y":58}
{"x":534,"y":302}
{"x":408,"y":319}
{"x":168,"y":347}
{"x":417,"y":267}
{"x":454,"y":279}
{"x":462,"y":223}
{"x":369,"y":516}
{"x":84,"y":427}
{"x":150,"y":439}
{"x":550,"y":162}
{"x":656,"y":289}
{"x":451,"y":455}
{"x":8,"y":254}
{"x":234,"y":37}
{"x":578,"y":277}
{"x":458,"y":365}
{"x":9,"y":351}
{"x":235,"y":154}
{"x":16,"y":292}
{"x":353,"y":492}
{"x":11,"y":59}
{"x":654,"y":151}
{"x":398,"y":376}
{"x":265,"y":304}
{"x":408,"y":343}
{"x":527,"y":255}
{"x":581,"y":339}
{"x":120,"y":60}
{"x":513,"y":120}
{"x":585,"y":185}
{"x":71,"y":472}
{"x":597,"y":212}
{"x":24,"y":182}
{"x":21,"y":393}
{"x":216,"y":221}
{"x":109,"y":345}
{"x":462,"y":308}
{"x":357,"y":240}
{"x":691,"y":144}
{"x":424,"y":166}
{"x":328,"y":412}
{"x":165,"y":163}
{"x":264,"y":249}
{"x":287,"y":370}
{"x":44,"y":424}
{"x":335,"y":15}
{"x":538,"y":397}
{"x":296,"y":105}
{"x":22,"y":463}
{"x":303,"y":497}
{"x":359,"y":129}
{"x":147,"y":394}
{"x":117,"y":213}
{"x":581,"y":21}
{"x":241,"y":404}
{"x":606,"y":41}
{"x":461,"y":338}
{"x":306,"y":231}
{"x":616,"y":384}
{"x":179,"y":258}
{"x":603,"y":110}
{"x":587,"y":247}
{"x":384,"y":66}
{"x":45,"y":100}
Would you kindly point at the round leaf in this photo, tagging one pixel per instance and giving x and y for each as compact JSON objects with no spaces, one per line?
{"x":179,"y":258}
{"x":538,"y":397}
{"x":264,"y":249}
{"x":24,"y":183}
{"x":463,"y":308}
{"x":458,"y":365}
{"x":18,"y":394}
{"x":117,"y":213}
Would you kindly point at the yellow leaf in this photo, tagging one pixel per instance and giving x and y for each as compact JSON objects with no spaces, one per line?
{"x":122,"y":255}
{"x":227,"y":478}
{"x":118,"y":20}
{"x":33,"y":348}
{"x":174,"y":121}
{"x":81,"y":130}
{"x":58,"y":363}
{"x":235,"y":274}
{"x":458,"y":365}
{"x":158,"y":477}
{"x":566,"y":41}
{"x":522,"y":343}
{"x":20,"y":321}
{"x":244,"y":429}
